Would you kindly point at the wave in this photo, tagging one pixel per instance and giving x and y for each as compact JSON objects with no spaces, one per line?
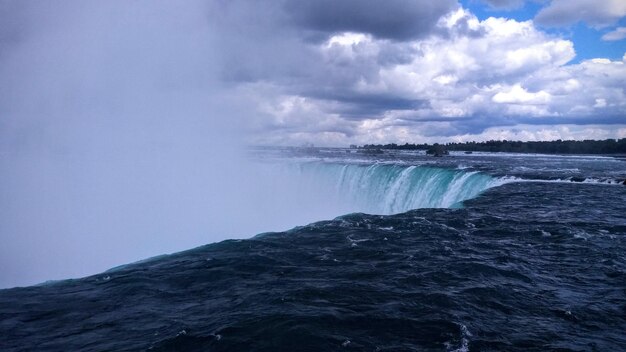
{"x":390,"y":189}
{"x":573,"y":179}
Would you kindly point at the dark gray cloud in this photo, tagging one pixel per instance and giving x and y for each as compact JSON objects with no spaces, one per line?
{"x":504,"y":4}
{"x":391,"y":19}
{"x":256,"y":42}
{"x":277,"y":41}
{"x":354,"y":105}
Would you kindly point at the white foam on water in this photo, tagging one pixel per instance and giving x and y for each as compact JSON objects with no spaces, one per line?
{"x":588,"y":180}
{"x":465,"y":335}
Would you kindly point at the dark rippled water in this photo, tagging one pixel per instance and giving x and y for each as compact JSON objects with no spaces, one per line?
{"x":524,"y":266}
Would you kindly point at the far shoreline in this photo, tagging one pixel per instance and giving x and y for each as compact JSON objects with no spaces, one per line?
{"x":615,"y":148}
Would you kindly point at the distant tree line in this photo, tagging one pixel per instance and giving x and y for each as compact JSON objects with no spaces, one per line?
{"x":608,"y":146}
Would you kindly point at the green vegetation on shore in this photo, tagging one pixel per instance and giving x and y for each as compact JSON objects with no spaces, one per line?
{"x":609,"y":146}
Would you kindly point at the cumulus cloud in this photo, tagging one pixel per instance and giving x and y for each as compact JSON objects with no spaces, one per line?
{"x":464,"y":77}
{"x":518,"y":95}
{"x":615,"y":35}
{"x":595,"y":13}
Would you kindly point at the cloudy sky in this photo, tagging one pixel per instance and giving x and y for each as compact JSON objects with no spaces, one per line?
{"x":327,"y":72}
{"x":333,"y":72}
{"x":122,"y":122}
